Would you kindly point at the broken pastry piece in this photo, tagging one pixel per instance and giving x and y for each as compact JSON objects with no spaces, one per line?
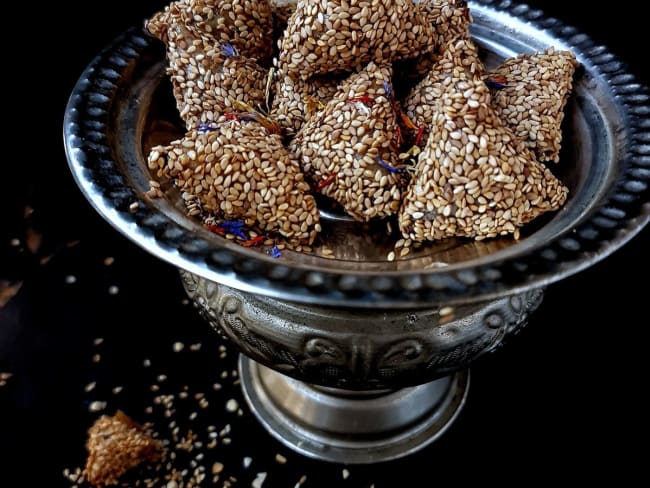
{"x":530,"y":93}
{"x":296,"y":100}
{"x":245,"y":24}
{"x":459,"y":61}
{"x":239,"y":171}
{"x":348,"y":150}
{"x":334,"y":36}
{"x":474,"y":178}
{"x":117,"y":444}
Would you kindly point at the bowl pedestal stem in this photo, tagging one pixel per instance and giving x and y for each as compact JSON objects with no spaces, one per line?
{"x":356,"y":385}
{"x":352,"y":427}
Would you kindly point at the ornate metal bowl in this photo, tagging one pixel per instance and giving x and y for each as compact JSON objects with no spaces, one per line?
{"x":357,"y":321}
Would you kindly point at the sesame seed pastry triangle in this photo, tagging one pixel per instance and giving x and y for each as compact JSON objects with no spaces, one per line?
{"x":240,"y":171}
{"x":245,"y":24}
{"x":459,"y":61}
{"x":115,"y":445}
{"x":296,"y":99}
{"x":473,"y":178}
{"x":348,"y":150}
{"x":325,"y":36}
{"x":206,"y":75}
{"x":450,"y":19}
{"x":530,"y":92}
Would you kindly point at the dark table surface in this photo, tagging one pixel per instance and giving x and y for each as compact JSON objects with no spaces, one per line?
{"x":559,"y":398}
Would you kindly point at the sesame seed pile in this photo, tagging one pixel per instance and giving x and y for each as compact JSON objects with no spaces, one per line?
{"x":348,"y":149}
{"x":532,"y":98}
{"x":241,"y":172}
{"x":448,"y":152}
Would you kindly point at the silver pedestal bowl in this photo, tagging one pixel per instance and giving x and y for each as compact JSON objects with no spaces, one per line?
{"x":356,"y":358}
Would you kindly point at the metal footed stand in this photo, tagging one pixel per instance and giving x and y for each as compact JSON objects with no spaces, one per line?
{"x":353,"y":427}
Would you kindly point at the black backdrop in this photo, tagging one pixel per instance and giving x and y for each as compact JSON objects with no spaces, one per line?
{"x":562,"y":397}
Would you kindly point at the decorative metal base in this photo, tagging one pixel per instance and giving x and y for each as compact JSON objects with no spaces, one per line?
{"x":352,"y":427}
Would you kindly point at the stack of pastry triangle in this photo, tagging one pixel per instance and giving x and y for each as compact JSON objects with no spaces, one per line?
{"x":348,"y":150}
{"x":473,"y":178}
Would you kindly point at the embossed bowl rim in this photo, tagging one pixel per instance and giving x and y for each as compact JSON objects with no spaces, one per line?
{"x":610,"y":207}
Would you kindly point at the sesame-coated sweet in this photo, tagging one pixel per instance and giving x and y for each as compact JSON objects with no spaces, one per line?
{"x":530,"y":97}
{"x":459,"y":61}
{"x":296,"y":99}
{"x":474,"y":178}
{"x":348,"y":150}
{"x":450,"y":20}
{"x":115,"y":445}
{"x":206,"y":75}
{"x":330,"y":36}
{"x":246,"y":24}
{"x":241,"y":172}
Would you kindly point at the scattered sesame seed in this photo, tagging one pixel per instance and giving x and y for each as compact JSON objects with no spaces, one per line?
{"x":178,"y":346}
{"x":247,"y":461}
{"x":146,"y":363}
{"x":97,"y":406}
{"x":14,"y":242}
{"x":280,"y":459}
{"x":446,"y":311}
{"x":96,"y":358}
{"x":113,"y":290}
{"x":117,"y":390}
{"x":259,"y":480}
{"x":134,"y":206}
{"x":98,"y":341}
{"x":232,"y":405}
{"x":108,"y":261}
{"x":70,"y":279}
{"x":90,"y":387}
{"x":346,"y":474}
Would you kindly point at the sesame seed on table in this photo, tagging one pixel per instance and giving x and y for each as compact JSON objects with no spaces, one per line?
{"x":532,"y":405}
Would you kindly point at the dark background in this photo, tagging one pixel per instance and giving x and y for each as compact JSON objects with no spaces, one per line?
{"x":562,"y":397}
